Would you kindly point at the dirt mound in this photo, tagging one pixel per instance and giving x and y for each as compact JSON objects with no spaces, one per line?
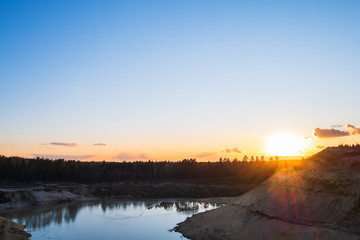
{"x":319,"y":199}
{"x":12,"y":231}
{"x":24,"y":197}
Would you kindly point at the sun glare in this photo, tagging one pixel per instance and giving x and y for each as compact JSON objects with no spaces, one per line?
{"x":284,"y":144}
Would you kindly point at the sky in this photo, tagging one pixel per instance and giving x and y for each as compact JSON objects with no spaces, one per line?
{"x":167,"y":80}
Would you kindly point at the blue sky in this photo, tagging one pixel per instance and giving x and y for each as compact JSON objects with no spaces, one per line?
{"x":173,"y":78}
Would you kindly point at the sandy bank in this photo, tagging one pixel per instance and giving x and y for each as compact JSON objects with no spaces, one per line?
{"x":12,"y":231}
{"x":13,"y":198}
{"x":216,"y":200}
{"x":322,"y":201}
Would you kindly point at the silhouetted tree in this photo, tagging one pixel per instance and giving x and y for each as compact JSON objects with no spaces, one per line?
{"x":46,"y":170}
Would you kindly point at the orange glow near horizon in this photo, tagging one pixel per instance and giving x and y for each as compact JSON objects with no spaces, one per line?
{"x":285,"y":144}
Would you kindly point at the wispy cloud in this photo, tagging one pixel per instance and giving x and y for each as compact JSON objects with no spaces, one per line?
{"x":352,"y":129}
{"x":329,"y":133}
{"x":337,"y":126}
{"x":332,"y":132}
{"x":99,"y":144}
{"x":205,"y":154}
{"x":66,"y":157}
{"x":125,"y":156}
{"x":234,"y":150}
{"x":64,"y":144}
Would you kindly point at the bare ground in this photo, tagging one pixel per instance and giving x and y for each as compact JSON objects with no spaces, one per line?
{"x":12,"y":231}
{"x":321,"y":202}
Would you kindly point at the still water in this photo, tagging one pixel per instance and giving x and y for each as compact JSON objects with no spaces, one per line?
{"x":107,"y":220}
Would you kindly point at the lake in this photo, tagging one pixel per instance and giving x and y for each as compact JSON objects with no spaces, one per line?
{"x":107,"y":220}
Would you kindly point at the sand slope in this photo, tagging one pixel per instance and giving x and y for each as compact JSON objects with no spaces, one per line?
{"x":319,"y":200}
{"x":17,"y":198}
{"x":12,"y":231}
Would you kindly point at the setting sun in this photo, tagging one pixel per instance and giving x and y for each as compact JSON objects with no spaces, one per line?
{"x":284,"y":144}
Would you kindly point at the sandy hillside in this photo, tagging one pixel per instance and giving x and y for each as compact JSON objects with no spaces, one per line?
{"x":25,"y":197}
{"x":318,"y":199}
{"x":12,"y":231}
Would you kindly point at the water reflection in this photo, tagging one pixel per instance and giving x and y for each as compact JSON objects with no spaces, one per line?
{"x":183,"y":206}
{"x":40,"y":217}
{"x":37,"y":218}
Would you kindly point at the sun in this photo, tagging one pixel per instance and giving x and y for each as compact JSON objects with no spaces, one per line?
{"x":285,"y":144}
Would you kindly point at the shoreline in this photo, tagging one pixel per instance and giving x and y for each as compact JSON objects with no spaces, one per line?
{"x":318,"y":202}
{"x":10,"y":230}
{"x":19,"y":199}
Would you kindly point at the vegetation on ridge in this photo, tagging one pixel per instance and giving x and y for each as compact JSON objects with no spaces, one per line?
{"x":16,"y":169}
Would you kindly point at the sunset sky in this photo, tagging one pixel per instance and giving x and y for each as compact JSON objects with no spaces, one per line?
{"x":167,"y":80}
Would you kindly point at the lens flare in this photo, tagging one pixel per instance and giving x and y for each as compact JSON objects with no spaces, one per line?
{"x":284,"y":144}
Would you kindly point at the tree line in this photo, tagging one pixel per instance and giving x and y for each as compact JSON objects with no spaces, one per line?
{"x":251,"y":159}
{"x":17,"y":169}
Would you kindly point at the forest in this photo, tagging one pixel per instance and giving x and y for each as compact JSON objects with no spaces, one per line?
{"x":17,"y":169}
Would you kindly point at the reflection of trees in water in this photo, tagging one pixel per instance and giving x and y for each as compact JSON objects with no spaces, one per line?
{"x":183,"y":206}
{"x":116,"y":205}
{"x":40,"y":217}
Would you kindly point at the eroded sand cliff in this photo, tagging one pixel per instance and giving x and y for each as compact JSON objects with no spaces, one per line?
{"x":12,"y":231}
{"x":26,"y":197}
{"x":318,"y":199}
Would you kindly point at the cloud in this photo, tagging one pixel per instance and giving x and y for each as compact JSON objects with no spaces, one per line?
{"x":64,"y":144}
{"x":124,"y":156}
{"x":352,"y":129}
{"x":331,"y":132}
{"x":99,"y":144}
{"x":205,"y":154}
{"x":337,"y":126}
{"x":66,"y":157}
{"x":320,"y":147}
{"x":234,"y":150}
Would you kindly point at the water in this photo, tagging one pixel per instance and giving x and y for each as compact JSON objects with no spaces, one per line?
{"x":107,"y":220}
